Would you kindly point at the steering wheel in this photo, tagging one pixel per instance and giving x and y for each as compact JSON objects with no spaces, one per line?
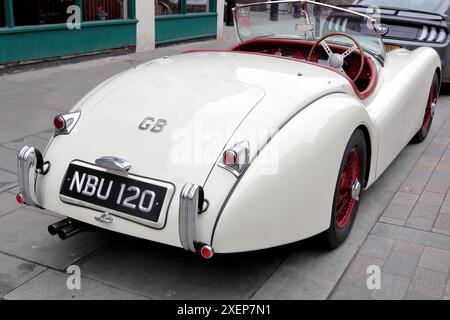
{"x":336,"y":60}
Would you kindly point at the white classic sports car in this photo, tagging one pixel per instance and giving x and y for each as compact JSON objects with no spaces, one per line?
{"x":267,"y":143}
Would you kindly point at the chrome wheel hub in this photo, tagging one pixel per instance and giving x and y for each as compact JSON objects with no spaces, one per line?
{"x":356,"y":190}
{"x":433,"y":107}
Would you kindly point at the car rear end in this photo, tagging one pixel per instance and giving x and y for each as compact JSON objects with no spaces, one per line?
{"x":410,"y":29}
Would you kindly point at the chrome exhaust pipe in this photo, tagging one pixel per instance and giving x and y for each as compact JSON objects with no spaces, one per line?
{"x":54,"y":228}
{"x":71,"y":229}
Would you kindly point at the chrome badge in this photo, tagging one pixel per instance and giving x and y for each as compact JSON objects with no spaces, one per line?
{"x":152,"y":124}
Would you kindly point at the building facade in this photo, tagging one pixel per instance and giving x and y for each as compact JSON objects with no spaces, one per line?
{"x":44,"y":29}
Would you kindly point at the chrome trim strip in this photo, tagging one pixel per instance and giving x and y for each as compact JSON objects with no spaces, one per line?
{"x":262,"y":3}
{"x":29,"y":160}
{"x":189,"y":204}
{"x":71,"y":120}
{"x":113,"y":163}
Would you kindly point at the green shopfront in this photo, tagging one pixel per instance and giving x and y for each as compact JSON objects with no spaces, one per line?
{"x":39,"y":29}
{"x":178,"y":20}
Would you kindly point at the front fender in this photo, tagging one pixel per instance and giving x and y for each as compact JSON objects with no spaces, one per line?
{"x":294,"y":202}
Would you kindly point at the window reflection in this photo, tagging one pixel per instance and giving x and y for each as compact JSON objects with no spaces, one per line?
{"x":196,"y":6}
{"x":40,"y":11}
{"x":167,"y":7}
{"x":97,"y":10}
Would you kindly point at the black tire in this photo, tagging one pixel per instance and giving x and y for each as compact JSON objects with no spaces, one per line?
{"x":422,"y":134}
{"x":336,"y":234}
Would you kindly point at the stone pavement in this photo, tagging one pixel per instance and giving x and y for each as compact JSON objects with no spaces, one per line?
{"x":402,"y":226}
{"x":411,"y":240}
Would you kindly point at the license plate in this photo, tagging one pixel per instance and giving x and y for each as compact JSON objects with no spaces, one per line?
{"x":389,"y":47}
{"x":132,"y":197}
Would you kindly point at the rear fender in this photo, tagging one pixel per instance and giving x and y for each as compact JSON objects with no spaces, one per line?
{"x":295,"y":202}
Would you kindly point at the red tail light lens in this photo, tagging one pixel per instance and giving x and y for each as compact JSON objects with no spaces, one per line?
{"x":19,"y":198}
{"x":59,"y":123}
{"x":230,"y":158}
{"x":207,"y":252}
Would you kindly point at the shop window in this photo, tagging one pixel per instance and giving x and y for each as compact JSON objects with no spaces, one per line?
{"x":40,"y":11}
{"x":197,"y":6}
{"x":2,"y":14}
{"x":167,"y":7}
{"x":97,"y":10}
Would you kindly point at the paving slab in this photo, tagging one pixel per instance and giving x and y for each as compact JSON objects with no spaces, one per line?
{"x":14,"y":272}
{"x":355,"y":278}
{"x":401,"y":263}
{"x":351,"y":293}
{"x":46,"y":134}
{"x":420,"y":223}
{"x":7,"y":180}
{"x":361,"y":228}
{"x":393,"y":221}
{"x":32,"y":141}
{"x":447,"y":291}
{"x":14,"y":190}
{"x":311,"y":260}
{"x":8,"y":203}
{"x":405,"y":199}
{"x":399,"y":212}
{"x":25,"y":122}
{"x":377,"y":247}
{"x":428,"y":283}
{"x":398,"y":171}
{"x":52,"y":285}
{"x":8,"y":160}
{"x":23,"y":233}
{"x":432,"y":198}
{"x":392,"y":288}
{"x":435,"y":259}
{"x":289,"y":284}
{"x":412,"y":235}
{"x":164,"y":272}
{"x":442,"y":224}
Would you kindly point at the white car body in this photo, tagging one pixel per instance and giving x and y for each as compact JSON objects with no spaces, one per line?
{"x":312,"y":110}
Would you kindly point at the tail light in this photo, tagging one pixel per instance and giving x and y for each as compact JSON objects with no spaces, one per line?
{"x":432,"y":34}
{"x":59,"y":122}
{"x":206,"y":252}
{"x":236,"y":159}
{"x":64,"y":123}
{"x":230,"y":158}
{"x":19,"y":198}
{"x":338,"y":25}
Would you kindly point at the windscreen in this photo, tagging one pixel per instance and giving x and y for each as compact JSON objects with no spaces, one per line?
{"x":307,"y":20}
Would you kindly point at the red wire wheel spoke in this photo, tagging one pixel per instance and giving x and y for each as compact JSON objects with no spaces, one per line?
{"x":345,"y":203}
{"x":428,"y":118}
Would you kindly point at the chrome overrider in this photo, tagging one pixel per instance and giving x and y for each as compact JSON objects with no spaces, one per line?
{"x":191,"y":205}
{"x":30,"y":164}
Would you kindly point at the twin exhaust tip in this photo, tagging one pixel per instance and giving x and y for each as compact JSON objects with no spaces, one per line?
{"x":66,"y":228}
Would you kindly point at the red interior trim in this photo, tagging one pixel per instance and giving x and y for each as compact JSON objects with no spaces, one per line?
{"x":239,"y":48}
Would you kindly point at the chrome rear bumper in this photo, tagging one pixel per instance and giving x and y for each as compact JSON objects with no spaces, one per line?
{"x":30,"y":164}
